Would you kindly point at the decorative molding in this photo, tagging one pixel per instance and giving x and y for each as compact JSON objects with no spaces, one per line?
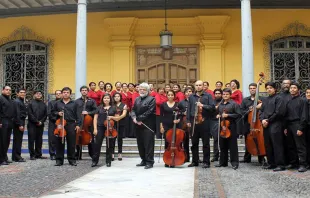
{"x":121,"y":27}
{"x":26,"y":34}
{"x":212,"y":44}
{"x":293,"y":29}
{"x":218,"y":24}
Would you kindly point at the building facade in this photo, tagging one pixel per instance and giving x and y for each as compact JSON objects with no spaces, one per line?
{"x":39,"y":51}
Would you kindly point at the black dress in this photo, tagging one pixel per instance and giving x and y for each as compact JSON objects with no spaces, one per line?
{"x":123,"y":126}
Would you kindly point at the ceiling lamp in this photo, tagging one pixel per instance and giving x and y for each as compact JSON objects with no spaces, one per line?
{"x":165,"y":35}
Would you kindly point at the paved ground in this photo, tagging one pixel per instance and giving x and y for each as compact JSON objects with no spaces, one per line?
{"x":124,"y":179}
{"x":250,"y":180}
{"x":33,"y":178}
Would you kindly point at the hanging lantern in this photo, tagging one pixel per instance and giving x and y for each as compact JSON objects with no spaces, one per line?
{"x":165,"y":35}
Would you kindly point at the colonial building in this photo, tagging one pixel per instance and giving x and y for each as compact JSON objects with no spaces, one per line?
{"x":49,"y":44}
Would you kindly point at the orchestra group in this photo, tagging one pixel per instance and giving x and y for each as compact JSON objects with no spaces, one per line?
{"x":276,"y":126}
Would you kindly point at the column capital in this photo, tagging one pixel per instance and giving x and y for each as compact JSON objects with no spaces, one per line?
{"x":122,"y":43}
{"x":218,"y":24}
{"x":212,"y":44}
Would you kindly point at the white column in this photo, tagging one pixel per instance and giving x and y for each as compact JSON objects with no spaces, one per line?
{"x":80,"y":65}
{"x":247,"y":47}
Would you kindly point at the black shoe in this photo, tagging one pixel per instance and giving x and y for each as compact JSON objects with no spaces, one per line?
{"x":141,"y":164}
{"x":245,"y":161}
{"x":279,"y":168}
{"x":269,"y":167}
{"x":93,"y":164}
{"x":148,"y":166}
{"x":302,"y":169}
{"x":291,"y":166}
{"x":73,"y":163}
{"x":109,"y":164}
{"x":199,"y":161}
{"x":32,"y":158}
{"x":8,"y":161}
{"x":53,"y":157}
{"x":235,"y":167}
{"x":41,"y":157}
{"x":214,"y":159}
{"x":166,"y":165}
{"x":20,"y":160}
{"x":206,"y":165}
{"x":58,"y":163}
{"x":193,"y":164}
{"x":4,"y":163}
{"x":221,"y":165}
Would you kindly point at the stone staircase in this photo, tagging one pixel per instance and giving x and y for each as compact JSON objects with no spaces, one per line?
{"x":130,"y":148}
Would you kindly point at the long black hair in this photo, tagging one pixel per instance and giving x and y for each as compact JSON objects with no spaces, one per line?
{"x":102,"y":103}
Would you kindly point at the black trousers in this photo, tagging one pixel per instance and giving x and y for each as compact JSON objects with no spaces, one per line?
{"x":70,"y":139}
{"x":35,"y":140}
{"x":5,"y":137}
{"x":121,"y":132}
{"x":230,"y":144}
{"x":214,"y":132}
{"x":78,"y":153}
{"x":297,"y":145}
{"x":273,"y":137}
{"x":17,"y":143}
{"x":110,"y":145}
{"x":51,"y":138}
{"x":308,"y":144}
{"x":201,"y":131}
{"x":146,"y":142}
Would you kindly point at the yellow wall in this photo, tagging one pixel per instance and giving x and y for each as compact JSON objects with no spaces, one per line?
{"x":103,"y":50}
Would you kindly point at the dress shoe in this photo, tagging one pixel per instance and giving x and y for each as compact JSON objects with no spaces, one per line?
{"x":4,"y":163}
{"x":245,"y":161}
{"x":119,"y":157}
{"x":148,"y":166}
{"x":235,"y":167}
{"x":279,"y":168}
{"x":58,"y":163}
{"x":109,"y":164}
{"x":73,"y":163}
{"x":93,"y":164}
{"x":199,"y":161}
{"x":53,"y":157}
{"x":20,"y":160}
{"x":206,"y":165}
{"x":291,"y":166}
{"x":141,"y":164}
{"x":166,"y":165}
{"x":193,"y":164}
{"x":221,"y":165}
{"x":8,"y":161}
{"x":32,"y":158}
{"x":41,"y":157}
{"x":302,"y":169}
{"x":269,"y":167}
{"x":214,"y":159}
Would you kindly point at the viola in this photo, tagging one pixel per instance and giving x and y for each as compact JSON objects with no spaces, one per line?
{"x":255,"y":139}
{"x":84,"y":136}
{"x":175,"y":155}
{"x":60,"y":130}
{"x":110,"y":131}
{"x":225,"y":131}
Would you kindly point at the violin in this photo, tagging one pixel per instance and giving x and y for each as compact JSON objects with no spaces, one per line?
{"x":175,"y":155}
{"x":255,"y":139}
{"x":110,"y":131}
{"x":198,"y":119}
{"x":225,"y":131}
{"x":84,"y":136}
{"x":60,"y":130}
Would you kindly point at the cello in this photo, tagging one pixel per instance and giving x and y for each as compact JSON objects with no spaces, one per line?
{"x":60,"y":130}
{"x":175,"y":155}
{"x":255,"y":139}
{"x":84,"y":136}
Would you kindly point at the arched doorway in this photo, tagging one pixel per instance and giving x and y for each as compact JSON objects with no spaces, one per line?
{"x":24,"y":65}
{"x":290,"y":58}
{"x":159,"y":66}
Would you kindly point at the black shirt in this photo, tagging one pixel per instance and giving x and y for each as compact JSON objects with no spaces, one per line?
{"x":21,"y":111}
{"x":52,"y":117}
{"x":231,"y":108}
{"x":167,"y":115}
{"x":37,"y":111}
{"x":102,"y":114}
{"x":214,"y":114}
{"x":70,"y":109}
{"x":246,"y":104}
{"x":273,"y":108}
{"x":143,"y":108}
{"x":297,"y":110}
{"x":119,"y":111}
{"x":7,"y":108}
{"x":207,"y":109}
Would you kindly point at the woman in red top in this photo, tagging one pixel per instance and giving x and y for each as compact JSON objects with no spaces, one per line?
{"x":93,"y":94}
{"x":152,"y":92}
{"x":167,"y":88}
{"x":179,"y":96}
{"x":108,"y":88}
{"x":236,"y":93}
{"x":100,"y":91}
{"x":206,"y":88}
{"x":160,"y":98}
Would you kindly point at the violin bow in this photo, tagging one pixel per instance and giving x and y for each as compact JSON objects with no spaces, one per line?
{"x":63,"y":127}
{"x":161,"y":142}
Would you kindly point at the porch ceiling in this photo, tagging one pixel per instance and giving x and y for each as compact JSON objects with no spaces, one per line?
{"x":11,"y":8}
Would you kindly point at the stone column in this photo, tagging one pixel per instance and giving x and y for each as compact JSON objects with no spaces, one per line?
{"x":80,"y":65}
{"x":247,"y":47}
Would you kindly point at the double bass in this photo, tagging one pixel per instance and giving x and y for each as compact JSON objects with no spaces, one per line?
{"x":175,"y":155}
{"x":255,"y":139}
{"x":60,"y":130}
{"x":84,"y":136}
